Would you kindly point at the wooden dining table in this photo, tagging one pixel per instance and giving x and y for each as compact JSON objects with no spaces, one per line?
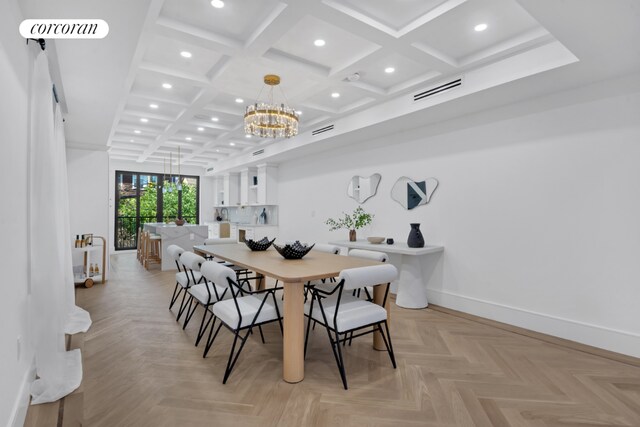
{"x":294,"y":274}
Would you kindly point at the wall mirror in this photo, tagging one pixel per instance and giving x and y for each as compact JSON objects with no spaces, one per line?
{"x":362,"y":188}
{"x":411,"y":194}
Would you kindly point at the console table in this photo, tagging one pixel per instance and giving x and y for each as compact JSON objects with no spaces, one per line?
{"x":414,"y":264}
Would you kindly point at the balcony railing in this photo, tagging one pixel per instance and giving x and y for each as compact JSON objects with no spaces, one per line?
{"x":127,"y":229}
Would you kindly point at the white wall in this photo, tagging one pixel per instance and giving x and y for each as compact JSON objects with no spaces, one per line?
{"x":206,"y":188}
{"x":88,"y":174}
{"x":15,"y":365}
{"x":539,"y":214}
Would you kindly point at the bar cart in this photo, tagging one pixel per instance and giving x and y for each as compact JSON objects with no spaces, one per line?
{"x":84,"y":274}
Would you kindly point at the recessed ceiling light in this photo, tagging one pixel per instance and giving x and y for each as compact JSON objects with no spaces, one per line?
{"x":217,"y":151}
{"x":186,"y":54}
{"x":247,"y":136}
{"x":319,"y":43}
{"x":167,"y":85}
{"x":143,"y":120}
{"x":137,"y":131}
{"x":239,"y":100}
{"x":200,"y":129}
{"x":232,"y":144}
{"x":481,"y":27}
{"x":154,"y":106}
{"x":188,"y":138}
{"x":131,"y":140}
{"x":335,"y":95}
{"x":389,"y":70}
{"x":218,"y":4}
{"x":214,"y":119}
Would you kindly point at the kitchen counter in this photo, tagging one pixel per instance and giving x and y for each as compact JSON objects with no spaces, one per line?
{"x":185,"y":236}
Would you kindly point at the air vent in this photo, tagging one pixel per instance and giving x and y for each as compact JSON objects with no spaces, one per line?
{"x":257,"y":153}
{"x":209,"y":169}
{"x":202,"y":117}
{"x":321,"y":130}
{"x":438,"y":89}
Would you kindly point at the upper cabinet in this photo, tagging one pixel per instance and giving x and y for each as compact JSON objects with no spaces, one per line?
{"x":256,"y":186}
{"x":267,"y":185}
{"x":249,"y":186}
{"x":227,"y":190}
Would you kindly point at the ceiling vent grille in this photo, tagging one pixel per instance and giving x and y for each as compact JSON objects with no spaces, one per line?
{"x":321,"y":130}
{"x":438,"y":89}
{"x":257,"y":153}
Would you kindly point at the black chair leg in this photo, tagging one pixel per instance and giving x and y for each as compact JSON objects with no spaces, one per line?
{"x":182,"y":306}
{"x":203,"y":326}
{"x":176,"y":294}
{"x":343,"y":374}
{"x":190,"y":310}
{"x":233,"y":359}
{"x":210,"y":340}
{"x":261,"y":334}
{"x":389,"y":346}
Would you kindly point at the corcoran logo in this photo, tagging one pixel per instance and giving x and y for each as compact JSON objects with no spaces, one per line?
{"x":64,"y":28}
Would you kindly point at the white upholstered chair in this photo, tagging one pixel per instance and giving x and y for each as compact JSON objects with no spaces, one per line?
{"x":241,"y":313}
{"x":346,"y":317}
{"x":190,"y":276}
{"x":373,"y":256}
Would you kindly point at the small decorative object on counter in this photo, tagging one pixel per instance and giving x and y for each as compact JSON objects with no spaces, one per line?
{"x":415,"y":239}
{"x":294,"y":250}
{"x":216,"y":215}
{"x":263,"y":216}
{"x":358,"y":219}
{"x":259,"y":245}
{"x":180,"y":221}
{"x":390,"y":241}
{"x":375,"y":240}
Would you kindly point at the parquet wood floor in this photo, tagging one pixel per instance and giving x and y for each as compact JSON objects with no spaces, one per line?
{"x":142,"y":369}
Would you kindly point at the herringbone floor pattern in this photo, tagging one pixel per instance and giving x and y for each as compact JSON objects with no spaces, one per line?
{"x":142,"y":369}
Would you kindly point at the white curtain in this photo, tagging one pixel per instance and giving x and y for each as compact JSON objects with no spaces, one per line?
{"x":52,"y":309}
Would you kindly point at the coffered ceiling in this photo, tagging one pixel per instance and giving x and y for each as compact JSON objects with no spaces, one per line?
{"x":171,"y":72}
{"x":233,"y":47}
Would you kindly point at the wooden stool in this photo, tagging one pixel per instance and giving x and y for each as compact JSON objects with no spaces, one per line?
{"x":151,"y":249}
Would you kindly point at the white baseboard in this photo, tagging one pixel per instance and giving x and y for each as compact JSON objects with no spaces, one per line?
{"x":20,"y":406}
{"x":594,"y":335}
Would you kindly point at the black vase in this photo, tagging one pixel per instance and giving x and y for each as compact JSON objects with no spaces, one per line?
{"x":415,"y":239}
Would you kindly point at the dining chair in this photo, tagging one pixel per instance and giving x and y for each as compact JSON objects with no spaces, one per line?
{"x":242,"y":312}
{"x":324,"y":284}
{"x":174,"y":251}
{"x":342,"y":314}
{"x":373,"y":256}
{"x":240,"y":271}
{"x":204,"y":294}
{"x":191,"y":268}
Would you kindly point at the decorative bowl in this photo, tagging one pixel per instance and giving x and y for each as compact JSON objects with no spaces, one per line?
{"x":375,"y":240}
{"x":259,"y":245}
{"x":294,"y":250}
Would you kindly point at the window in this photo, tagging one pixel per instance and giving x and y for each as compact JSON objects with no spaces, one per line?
{"x":141,"y":198}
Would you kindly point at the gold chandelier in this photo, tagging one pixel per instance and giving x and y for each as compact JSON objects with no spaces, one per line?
{"x":266,"y":119}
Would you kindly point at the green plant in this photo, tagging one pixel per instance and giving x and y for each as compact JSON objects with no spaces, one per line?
{"x":358,"y":219}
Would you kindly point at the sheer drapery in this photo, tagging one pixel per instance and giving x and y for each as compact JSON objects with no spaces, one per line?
{"x":52,"y":308}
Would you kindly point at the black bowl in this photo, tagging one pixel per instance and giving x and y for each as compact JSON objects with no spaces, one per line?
{"x":293,"y":251}
{"x":259,"y":245}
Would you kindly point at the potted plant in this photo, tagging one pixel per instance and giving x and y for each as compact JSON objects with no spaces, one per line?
{"x":358,"y":219}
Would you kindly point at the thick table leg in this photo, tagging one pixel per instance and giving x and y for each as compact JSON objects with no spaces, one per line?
{"x":378,"y":297}
{"x":293,"y":341}
{"x":412,"y":289}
